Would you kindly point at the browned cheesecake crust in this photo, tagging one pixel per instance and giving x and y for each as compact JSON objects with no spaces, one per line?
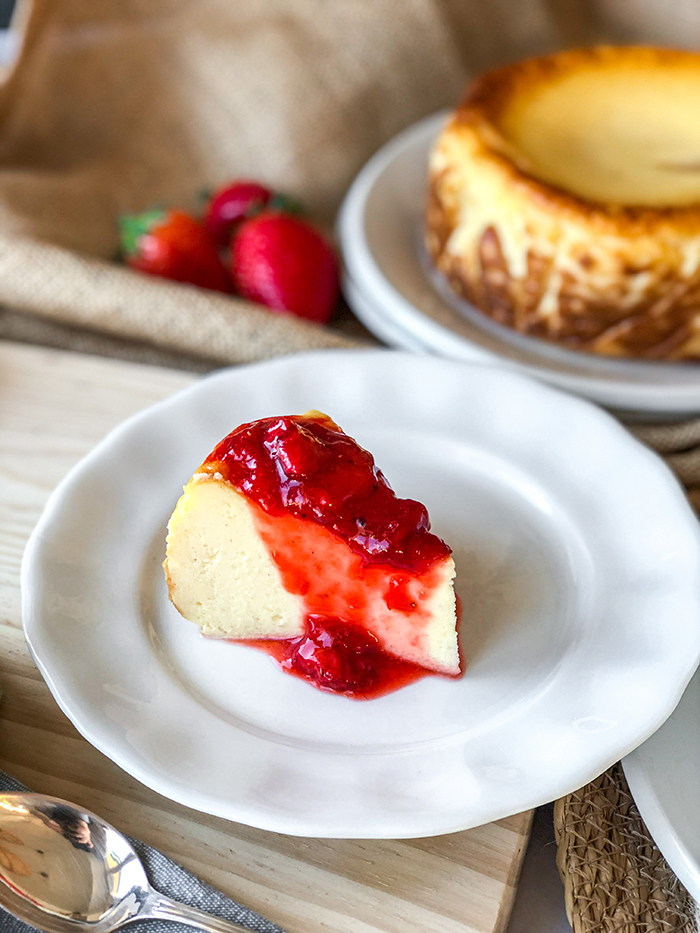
{"x":614,"y":278}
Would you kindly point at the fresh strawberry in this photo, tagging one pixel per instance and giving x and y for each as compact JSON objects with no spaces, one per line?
{"x":174,"y":245}
{"x":230,"y":205}
{"x":282,"y":262}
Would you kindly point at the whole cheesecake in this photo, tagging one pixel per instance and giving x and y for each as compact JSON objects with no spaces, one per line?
{"x":564,"y":200}
{"x":288,"y":537}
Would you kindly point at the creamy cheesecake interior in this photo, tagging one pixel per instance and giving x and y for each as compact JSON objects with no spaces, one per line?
{"x":222,"y":576}
{"x":219,"y":572}
{"x":616,"y":133}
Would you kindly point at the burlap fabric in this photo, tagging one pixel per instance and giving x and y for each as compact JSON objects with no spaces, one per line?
{"x":114,"y":106}
{"x":117,"y":106}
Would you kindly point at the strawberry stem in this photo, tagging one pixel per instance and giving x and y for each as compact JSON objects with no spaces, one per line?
{"x":284,"y":203}
{"x":133,"y":226}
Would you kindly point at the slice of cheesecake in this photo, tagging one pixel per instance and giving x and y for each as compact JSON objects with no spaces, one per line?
{"x":290,"y":537}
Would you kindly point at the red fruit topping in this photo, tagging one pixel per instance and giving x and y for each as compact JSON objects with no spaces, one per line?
{"x":309,"y":484}
{"x":174,"y":245}
{"x":285,"y":264}
{"x":232,"y":204}
{"x":340,"y":657}
{"x":308,"y":467}
{"x":337,"y":656}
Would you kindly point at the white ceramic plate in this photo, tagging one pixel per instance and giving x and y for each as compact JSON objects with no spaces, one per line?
{"x":380,"y":230}
{"x":578,"y":568}
{"x":381,"y":325}
{"x":663,"y":777}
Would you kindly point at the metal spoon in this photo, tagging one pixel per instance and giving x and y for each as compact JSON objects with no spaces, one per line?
{"x":63,"y":869}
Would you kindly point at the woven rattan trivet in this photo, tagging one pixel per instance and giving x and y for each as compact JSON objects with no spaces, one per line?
{"x":615,"y":878}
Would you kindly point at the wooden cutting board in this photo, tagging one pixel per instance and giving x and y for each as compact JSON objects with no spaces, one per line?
{"x":54,"y":407}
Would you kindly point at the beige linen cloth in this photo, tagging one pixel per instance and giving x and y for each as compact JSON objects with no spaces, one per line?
{"x":117,"y":105}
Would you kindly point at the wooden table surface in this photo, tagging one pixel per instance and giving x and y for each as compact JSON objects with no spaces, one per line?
{"x":54,"y":407}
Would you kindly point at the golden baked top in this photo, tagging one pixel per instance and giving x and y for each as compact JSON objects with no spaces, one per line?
{"x":612,"y":125}
{"x":564,"y":200}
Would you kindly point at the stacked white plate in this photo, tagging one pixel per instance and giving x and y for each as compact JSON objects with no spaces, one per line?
{"x":391,"y":288}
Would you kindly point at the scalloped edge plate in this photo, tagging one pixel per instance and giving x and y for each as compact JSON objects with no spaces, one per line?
{"x":578,"y":566}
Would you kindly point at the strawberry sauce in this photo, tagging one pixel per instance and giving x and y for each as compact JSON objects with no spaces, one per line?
{"x":362,"y":560}
{"x":338,"y":657}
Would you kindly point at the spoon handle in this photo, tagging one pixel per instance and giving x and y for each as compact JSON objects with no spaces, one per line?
{"x":163,"y":908}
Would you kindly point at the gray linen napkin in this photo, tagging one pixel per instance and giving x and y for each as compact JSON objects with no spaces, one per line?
{"x":168,"y":878}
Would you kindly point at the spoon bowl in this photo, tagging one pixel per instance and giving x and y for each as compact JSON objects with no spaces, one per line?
{"x":62,"y":868}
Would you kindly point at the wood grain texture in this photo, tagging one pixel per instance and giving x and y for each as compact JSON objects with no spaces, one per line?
{"x":54,"y":407}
